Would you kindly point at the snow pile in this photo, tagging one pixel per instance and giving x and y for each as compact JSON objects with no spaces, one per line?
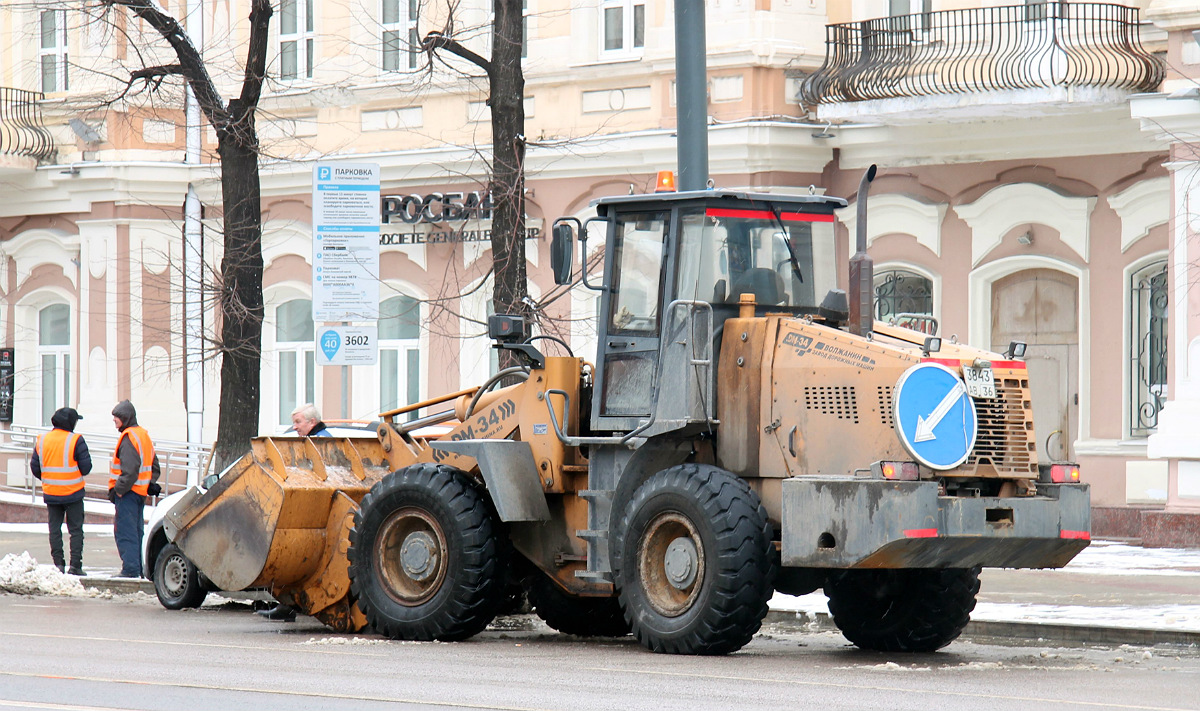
{"x":353,"y":641}
{"x":22,"y":575}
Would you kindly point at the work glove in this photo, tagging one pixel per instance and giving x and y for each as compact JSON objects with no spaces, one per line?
{"x":112,"y":495}
{"x":154,"y":489}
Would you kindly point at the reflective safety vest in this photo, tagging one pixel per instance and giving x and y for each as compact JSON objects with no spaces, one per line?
{"x":145,"y":449}
{"x":60,"y":471}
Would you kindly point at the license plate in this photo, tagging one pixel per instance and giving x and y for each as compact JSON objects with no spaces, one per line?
{"x":980,"y":381}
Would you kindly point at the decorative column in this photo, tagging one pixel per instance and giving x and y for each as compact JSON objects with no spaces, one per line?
{"x":1171,"y":115}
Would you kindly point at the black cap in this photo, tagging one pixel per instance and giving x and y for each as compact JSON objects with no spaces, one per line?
{"x":65,"y":418}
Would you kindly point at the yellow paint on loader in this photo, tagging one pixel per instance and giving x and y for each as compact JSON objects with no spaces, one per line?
{"x":280,"y":518}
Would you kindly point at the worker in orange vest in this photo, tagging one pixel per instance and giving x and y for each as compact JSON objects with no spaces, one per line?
{"x":61,"y":460}
{"x":133,"y":475}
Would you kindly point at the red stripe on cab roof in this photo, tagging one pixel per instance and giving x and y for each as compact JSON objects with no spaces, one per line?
{"x":768,"y":215}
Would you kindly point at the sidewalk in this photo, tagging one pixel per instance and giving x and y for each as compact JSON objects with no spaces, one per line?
{"x":1112,"y":593}
{"x":101,"y":561}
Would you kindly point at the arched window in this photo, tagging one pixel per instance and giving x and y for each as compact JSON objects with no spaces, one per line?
{"x":900,"y":292}
{"x":296,"y":356}
{"x":1148,"y":355}
{"x":399,"y":353}
{"x":54,"y":352}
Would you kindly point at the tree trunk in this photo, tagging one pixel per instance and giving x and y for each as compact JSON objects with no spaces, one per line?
{"x":241,"y":290}
{"x":508,"y":163}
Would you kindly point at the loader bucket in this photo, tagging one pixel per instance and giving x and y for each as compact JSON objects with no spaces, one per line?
{"x":280,"y":517}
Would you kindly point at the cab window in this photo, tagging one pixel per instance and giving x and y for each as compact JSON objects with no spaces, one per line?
{"x":639,"y":260}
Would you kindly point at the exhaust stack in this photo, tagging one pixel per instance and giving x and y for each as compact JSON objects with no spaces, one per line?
{"x":862,"y":267}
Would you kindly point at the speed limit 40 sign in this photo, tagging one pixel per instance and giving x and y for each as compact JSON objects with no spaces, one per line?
{"x":347,"y":345}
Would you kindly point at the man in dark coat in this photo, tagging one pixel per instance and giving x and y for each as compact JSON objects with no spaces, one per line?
{"x":132,"y":476}
{"x":60,"y":460}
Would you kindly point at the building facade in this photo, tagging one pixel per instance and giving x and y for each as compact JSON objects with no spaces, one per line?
{"x":1021,"y":195}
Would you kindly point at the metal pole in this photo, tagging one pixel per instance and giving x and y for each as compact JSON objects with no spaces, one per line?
{"x":691,"y":95}
{"x":193,"y":270}
{"x":345,"y":387}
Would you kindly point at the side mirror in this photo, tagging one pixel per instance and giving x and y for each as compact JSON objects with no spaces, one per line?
{"x":562,"y":252}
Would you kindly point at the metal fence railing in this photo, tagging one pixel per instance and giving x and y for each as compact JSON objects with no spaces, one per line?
{"x":22,"y":132}
{"x":182,"y":463}
{"x":1038,"y":45}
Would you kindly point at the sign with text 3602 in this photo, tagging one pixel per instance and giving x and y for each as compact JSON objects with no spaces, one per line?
{"x":347,"y":345}
{"x":345,"y":242}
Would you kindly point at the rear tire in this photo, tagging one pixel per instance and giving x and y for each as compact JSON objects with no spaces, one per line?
{"x":425,"y":562}
{"x":693,"y":561}
{"x":581,"y":616}
{"x":176,"y":580}
{"x":907,"y":610}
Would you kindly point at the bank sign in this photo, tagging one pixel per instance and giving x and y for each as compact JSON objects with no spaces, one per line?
{"x":345,"y":242}
{"x":440,"y":218}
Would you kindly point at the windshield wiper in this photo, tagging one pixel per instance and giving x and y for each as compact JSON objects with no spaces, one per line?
{"x":787,"y":238}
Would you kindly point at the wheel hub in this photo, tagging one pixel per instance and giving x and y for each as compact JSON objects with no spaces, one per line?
{"x":174,"y":575}
{"x":410,"y":556}
{"x":418,"y":555}
{"x":671,"y":563}
{"x":681,"y":562}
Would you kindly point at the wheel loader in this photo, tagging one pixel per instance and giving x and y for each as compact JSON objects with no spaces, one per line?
{"x":744,"y":427}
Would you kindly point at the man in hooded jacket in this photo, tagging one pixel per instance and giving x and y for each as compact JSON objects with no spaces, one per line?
{"x":133,"y":475}
{"x":61,"y":460}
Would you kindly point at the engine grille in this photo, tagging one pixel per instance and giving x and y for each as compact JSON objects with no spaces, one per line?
{"x":836,"y":400}
{"x":1005,"y":439}
{"x":884,"y":395}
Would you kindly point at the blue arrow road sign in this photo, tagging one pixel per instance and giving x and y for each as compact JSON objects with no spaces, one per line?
{"x":935,"y":417}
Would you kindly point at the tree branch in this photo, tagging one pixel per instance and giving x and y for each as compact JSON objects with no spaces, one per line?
{"x":191,"y":64}
{"x":148,"y":73}
{"x":437,"y":40}
{"x":256,"y":53}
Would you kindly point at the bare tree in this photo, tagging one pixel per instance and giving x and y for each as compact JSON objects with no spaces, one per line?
{"x":506,"y":99}
{"x":240,"y":298}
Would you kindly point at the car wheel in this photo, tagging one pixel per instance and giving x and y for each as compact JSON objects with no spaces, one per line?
{"x":176,"y":580}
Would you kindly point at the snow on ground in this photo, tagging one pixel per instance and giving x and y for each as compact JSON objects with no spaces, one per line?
{"x":1153,"y":617}
{"x":1100,"y":558}
{"x":1116,"y":558}
{"x":1178,"y":618}
{"x":352,"y":641}
{"x":22,"y":575}
{"x":89,"y":529}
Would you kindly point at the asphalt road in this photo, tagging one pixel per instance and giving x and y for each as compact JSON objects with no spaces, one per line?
{"x":126,"y":652}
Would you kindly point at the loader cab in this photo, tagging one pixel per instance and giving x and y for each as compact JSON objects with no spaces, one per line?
{"x":676,"y":265}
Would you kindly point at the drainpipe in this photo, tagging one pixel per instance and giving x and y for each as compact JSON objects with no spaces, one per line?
{"x":193,"y":270}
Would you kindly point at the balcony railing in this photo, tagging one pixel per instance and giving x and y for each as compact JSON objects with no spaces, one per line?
{"x":1052,"y":44}
{"x":21,"y":130}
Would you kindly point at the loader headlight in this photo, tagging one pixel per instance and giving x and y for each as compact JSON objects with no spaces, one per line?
{"x":1016,"y":349}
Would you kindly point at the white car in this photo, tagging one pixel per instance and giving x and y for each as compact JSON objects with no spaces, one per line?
{"x":177,"y":581}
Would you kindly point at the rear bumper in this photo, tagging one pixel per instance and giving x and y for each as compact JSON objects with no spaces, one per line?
{"x":869,"y":523}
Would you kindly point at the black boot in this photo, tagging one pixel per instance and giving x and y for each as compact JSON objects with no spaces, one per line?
{"x":76,"y":570}
{"x":279,"y":613}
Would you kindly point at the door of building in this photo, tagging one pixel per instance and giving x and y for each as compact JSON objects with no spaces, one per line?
{"x":1041,"y":308}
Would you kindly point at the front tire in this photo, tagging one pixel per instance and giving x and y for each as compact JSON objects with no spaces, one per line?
{"x":176,"y":580}
{"x":907,"y":610}
{"x":424,"y":558}
{"x":693,"y":561}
